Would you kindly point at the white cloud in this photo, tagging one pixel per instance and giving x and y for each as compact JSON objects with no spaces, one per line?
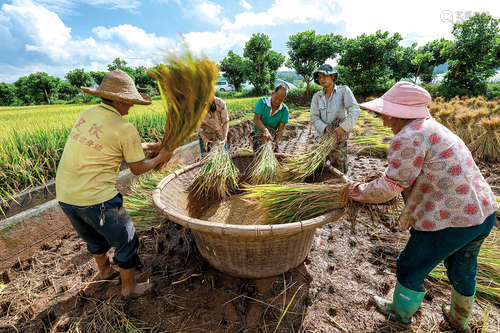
{"x":287,"y":11}
{"x":38,"y":40}
{"x":245,"y":4}
{"x":207,"y":10}
{"x":214,"y":44}
{"x":420,"y":21}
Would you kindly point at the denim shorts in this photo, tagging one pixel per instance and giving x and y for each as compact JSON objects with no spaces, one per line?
{"x":106,"y":225}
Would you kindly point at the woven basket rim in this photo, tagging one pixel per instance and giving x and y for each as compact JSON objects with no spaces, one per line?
{"x":235,"y":229}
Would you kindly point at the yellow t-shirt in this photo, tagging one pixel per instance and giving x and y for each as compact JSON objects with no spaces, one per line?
{"x":96,"y":146}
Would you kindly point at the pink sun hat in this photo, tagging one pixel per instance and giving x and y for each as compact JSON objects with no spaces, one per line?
{"x":404,"y":100}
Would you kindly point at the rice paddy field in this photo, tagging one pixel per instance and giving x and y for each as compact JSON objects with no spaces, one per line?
{"x":33,"y":137}
{"x":351,"y":259}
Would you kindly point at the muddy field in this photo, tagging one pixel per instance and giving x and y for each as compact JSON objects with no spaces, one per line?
{"x":330,"y":292}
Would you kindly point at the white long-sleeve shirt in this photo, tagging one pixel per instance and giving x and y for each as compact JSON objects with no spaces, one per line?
{"x":341,"y":105}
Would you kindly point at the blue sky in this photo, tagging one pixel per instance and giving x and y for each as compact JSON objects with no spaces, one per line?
{"x":56,"y":36}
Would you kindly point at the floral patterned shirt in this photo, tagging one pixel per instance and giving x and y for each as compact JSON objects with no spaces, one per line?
{"x":432,"y":164}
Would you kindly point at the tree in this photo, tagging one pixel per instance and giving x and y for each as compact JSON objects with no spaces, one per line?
{"x":98,"y":76}
{"x":364,"y":63}
{"x":307,"y":51}
{"x":401,"y":62}
{"x":78,"y":78}
{"x":67,"y":91}
{"x":235,"y":69}
{"x":37,"y":88}
{"x":257,"y":51}
{"x":428,"y":57}
{"x":122,"y":64}
{"x":274,"y":60}
{"x":472,"y":59}
{"x":143,"y":80}
{"x":7,"y":94}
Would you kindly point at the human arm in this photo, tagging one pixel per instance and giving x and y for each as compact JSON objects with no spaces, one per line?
{"x":352,"y":111}
{"x":143,"y":166}
{"x":281,"y":131}
{"x":405,"y":165}
{"x":318,"y":124}
{"x":260,"y":125}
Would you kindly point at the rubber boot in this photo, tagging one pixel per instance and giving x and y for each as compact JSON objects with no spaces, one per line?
{"x":405,"y":303}
{"x":106,"y":272}
{"x":130,"y":288}
{"x":459,"y":312}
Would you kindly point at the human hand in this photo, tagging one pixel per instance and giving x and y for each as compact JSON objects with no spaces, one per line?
{"x":330,"y":129}
{"x":165,"y":155}
{"x":339,"y":133}
{"x":151,"y":146}
{"x":267,"y":135}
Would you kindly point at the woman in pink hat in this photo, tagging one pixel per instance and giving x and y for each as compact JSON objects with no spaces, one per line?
{"x":450,"y":209}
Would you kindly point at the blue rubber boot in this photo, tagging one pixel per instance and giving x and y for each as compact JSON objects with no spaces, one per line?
{"x":405,"y":303}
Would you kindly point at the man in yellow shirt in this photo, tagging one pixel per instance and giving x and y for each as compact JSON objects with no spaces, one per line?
{"x":86,"y":177}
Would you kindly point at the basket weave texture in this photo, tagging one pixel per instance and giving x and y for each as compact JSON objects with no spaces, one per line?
{"x":244,"y":251}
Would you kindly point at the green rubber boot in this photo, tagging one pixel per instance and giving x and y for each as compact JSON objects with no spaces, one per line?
{"x":405,"y":303}
{"x":459,"y":312}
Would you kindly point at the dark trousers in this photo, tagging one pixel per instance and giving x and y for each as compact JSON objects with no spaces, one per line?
{"x":116,"y":230}
{"x":458,"y":247}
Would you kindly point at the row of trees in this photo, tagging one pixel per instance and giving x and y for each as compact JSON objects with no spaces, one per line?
{"x":41,"y":88}
{"x":369,"y":64}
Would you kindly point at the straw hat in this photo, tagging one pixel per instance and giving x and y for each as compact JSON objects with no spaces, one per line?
{"x":404,"y":100}
{"x":118,"y":86}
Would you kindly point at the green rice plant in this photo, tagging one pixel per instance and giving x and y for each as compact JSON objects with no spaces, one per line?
{"x":217,"y":178}
{"x":295,"y":202}
{"x":186,"y":87}
{"x":265,"y":167}
{"x":297,"y":168}
{"x":139,"y":203}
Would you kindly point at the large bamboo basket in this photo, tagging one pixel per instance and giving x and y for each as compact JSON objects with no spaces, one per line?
{"x":245,"y":251}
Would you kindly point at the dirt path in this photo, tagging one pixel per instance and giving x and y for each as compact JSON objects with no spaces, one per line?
{"x":330,"y":292}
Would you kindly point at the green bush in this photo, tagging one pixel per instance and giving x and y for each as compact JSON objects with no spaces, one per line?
{"x":298,"y":96}
{"x":493,"y":90}
{"x":433,"y":89}
{"x":236,"y":94}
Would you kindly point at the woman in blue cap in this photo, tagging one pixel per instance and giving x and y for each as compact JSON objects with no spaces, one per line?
{"x":333,"y":110}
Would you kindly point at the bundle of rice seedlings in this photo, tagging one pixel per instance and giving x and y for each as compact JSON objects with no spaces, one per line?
{"x":139,"y":203}
{"x":487,"y":145}
{"x":265,"y":167}
{"x":463,"y":130}
{"x":217,"y":178}
{"x":186,"y":86}
{"x":298,"y":168}
{"x":289,"y":203}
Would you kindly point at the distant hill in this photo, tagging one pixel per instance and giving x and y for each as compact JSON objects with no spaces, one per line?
{"x":289,"y":76}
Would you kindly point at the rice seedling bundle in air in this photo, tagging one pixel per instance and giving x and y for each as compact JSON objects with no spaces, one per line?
{"x":289,"y":203}
{"x":186,"y":87}
{"x":487,"y":145}
{"x":265,"y":167}
{"x":217,"y":178}
{"x":298,"y":168}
